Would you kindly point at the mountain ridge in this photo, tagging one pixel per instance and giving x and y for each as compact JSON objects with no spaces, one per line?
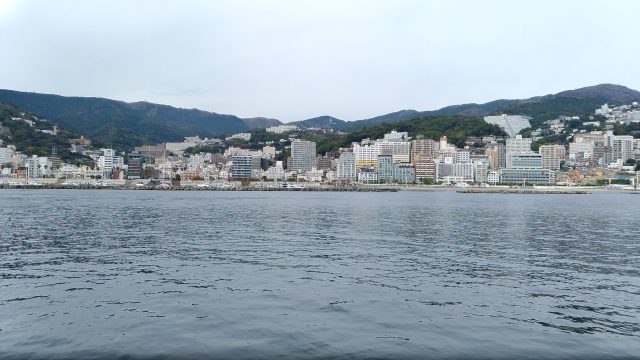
{"x":584,"y":99}
{"x":114,"y":122}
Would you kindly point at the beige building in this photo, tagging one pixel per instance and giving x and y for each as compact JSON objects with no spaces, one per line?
{"x":423,"y":149}
{"x":552,"y":156}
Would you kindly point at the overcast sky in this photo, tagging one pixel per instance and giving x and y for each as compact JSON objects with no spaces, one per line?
{"x":293,"y":60}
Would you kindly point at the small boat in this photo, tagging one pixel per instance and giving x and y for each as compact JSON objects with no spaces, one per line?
{"x":291,"y":186}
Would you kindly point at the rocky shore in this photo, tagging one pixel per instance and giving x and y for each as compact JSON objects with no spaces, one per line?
{"x":521,"y":191}
{"x":201,"y":188}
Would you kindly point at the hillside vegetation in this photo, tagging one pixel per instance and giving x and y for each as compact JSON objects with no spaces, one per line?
{"x":122,"y":125}
{"x":29,"y":139}
{"x":456,"y":128}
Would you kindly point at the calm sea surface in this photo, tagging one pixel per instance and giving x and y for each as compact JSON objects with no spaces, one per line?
{"x":103,"y":274}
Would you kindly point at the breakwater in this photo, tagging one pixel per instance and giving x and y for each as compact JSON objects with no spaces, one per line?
{"x":201,"y":188}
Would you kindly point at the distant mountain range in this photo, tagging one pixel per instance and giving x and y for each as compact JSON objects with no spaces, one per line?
{"x":540,"y":108}
{"x":117,"y":123}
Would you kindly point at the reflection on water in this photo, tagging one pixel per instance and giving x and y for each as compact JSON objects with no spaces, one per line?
{"x":251,"y":275}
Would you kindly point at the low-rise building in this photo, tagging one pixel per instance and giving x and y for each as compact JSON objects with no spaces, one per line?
{"x":281,"y":129}
{"x":524,"y":176}
{"x":464,"y":171}
{"x":367,"y":175}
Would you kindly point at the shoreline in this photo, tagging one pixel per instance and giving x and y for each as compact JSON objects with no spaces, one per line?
{"x":198,"y":188}
{"x":323,"y":188}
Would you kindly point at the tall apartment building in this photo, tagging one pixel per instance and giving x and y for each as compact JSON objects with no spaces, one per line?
{"x":346,"y":167}
{"x":552,"y":156}
{"x":399,"y":150}
{"x":366,"y":155}
{"x":385,"y":168}
{"x":423,"y":149}
{"x":425,"y":169}
{"x":134,"y":166}
{"x":482,"y":171}
{"x":303,"y":155}
{"x":517,"y":146}
{"x":404,"y":173}
{"x":621,"y":147}
{"x":497,"y":156}
{"x":463,"y":156}
{"x":242,"y":166}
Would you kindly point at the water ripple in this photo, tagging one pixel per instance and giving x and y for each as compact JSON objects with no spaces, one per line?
{"x":122,"y":274}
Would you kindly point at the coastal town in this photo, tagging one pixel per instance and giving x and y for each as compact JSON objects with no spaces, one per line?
{"x":590,"y":154}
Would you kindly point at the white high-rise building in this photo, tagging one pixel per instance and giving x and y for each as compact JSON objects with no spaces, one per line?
{"x":621,"y":147}
{"x":366,"y":155}
{"x":517,"y":146}
{"x":109,"y":161}
{"x":463,"y":156}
